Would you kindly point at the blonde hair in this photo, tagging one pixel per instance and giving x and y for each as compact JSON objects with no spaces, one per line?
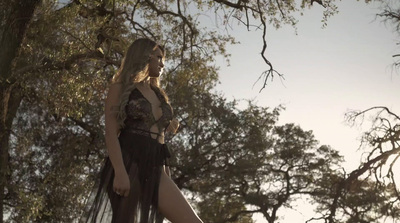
{"x":135,"y":69}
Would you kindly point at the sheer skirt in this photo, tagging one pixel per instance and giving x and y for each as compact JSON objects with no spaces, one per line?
{"x":143,"y":158}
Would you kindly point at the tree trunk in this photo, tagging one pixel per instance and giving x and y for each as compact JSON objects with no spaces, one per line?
{"x":16,"y":17}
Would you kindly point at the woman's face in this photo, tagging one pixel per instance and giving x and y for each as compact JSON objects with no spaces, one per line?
{"x":156,"y":63}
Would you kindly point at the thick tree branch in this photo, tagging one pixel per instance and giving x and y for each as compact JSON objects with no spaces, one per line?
{"x":66,"y":64}
{"x":391,"y":136}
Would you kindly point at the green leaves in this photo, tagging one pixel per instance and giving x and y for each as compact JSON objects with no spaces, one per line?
{"x":236,"y":160}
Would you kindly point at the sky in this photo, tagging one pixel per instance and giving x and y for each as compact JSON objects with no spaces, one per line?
{"x":328,"y":71}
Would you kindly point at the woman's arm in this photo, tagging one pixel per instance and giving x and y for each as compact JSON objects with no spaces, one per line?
{"x":121,"y":179}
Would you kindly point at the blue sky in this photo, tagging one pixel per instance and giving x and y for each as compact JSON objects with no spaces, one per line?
{"x":328,"y":71}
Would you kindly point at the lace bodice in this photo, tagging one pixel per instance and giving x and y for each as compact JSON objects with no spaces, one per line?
{"x":140,"y":115}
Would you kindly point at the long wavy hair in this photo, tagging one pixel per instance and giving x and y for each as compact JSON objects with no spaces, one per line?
{"x":135,"y":69}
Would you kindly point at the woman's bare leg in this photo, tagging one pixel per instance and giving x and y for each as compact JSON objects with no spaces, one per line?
{"x":172,"y":204}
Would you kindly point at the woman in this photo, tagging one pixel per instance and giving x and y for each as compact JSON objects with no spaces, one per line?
{"x":135,"y":185}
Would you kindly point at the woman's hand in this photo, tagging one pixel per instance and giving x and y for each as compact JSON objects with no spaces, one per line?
{"x":121,"y":184}
{"x":167,"y":171}
{"x":173,"y":126}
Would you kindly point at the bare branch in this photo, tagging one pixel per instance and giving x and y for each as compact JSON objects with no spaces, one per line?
{"x":135,"y":25}
{"x":167,"y":12}
{"x":76,"y":38}
{"x":270,"y":72}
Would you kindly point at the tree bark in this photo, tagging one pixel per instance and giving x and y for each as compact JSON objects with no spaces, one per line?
{"x":16,"y":17}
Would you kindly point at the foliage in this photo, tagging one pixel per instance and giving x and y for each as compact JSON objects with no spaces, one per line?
{"x":369,"y":193}
{"x":226,"y":156}
{"x":236,"y":160}
{"x":51,"y":160}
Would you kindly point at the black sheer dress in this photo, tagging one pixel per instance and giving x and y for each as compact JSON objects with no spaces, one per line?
{"x":143,"y":158}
